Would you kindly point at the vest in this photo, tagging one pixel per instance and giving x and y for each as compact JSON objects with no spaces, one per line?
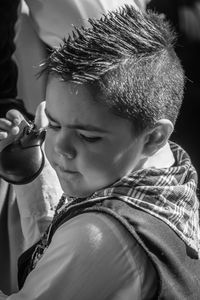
{"x":178,"y":271}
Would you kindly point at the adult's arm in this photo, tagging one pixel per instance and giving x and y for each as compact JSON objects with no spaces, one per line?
{"x":54,"y":20}
{"x":36,"y":202}
{"x":25,"y":213}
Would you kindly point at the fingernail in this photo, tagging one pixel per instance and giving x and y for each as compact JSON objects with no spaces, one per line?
{"x":16,"y":121}
{"x":3,"y":135}
{"x":15,"y":130}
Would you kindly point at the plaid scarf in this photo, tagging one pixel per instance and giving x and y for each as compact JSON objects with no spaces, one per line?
{"x":168,"y":194}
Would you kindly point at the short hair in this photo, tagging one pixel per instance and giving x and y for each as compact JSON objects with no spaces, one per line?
{"x":128,"y":57}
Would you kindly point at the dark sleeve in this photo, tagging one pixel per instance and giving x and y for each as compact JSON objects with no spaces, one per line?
{"x":8,"y":67}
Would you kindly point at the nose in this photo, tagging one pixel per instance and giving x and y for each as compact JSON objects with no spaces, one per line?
{"x":64,"y":145}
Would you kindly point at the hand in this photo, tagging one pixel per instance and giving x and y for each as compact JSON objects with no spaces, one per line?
{"x":12,"y":126}
{"x":27,"y":146}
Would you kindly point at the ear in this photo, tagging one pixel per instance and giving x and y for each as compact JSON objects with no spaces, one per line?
{"x":157,"y":137}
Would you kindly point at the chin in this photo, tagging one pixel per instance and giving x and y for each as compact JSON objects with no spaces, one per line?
{"x":72,"y":192}
{"x":76,"y":194}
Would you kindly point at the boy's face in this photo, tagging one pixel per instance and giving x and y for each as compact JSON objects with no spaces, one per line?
{"x":88,"y":146}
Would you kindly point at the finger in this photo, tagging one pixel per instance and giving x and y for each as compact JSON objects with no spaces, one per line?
{"x":15,"y":116}
{"x":6,"y":139}
{"x":15,"y":130}
{"x":3,"y":135}
{"x":8,"y":131}
{"x":18,"y":122}
{"x":5,"y":124}
{"x":41,"y":120}
{"x":7,"y":128}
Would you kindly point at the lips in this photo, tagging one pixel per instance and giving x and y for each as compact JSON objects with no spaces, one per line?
{"x":65,"y":170}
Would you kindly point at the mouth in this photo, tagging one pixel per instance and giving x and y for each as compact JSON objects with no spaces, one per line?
{"x":67,"y":171}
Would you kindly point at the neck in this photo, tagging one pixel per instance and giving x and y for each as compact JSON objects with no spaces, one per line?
{"x":163,"y":158}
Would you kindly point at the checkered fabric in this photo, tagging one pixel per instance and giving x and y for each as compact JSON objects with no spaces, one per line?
{"x":168,"y":194}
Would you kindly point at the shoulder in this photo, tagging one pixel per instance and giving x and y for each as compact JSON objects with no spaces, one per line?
{"x":97,"y":232}
{"x":102,"y":248}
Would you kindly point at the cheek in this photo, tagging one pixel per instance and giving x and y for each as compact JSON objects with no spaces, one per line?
{"x":97,"y":164}
{"x":97,"y":171}
{"x":116,"y":161}
{"x":94,"y":159}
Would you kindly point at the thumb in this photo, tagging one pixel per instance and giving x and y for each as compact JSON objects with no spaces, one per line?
{"x":41,"y":120}
{"x":15,"y":116}
{"x":18,"y":121}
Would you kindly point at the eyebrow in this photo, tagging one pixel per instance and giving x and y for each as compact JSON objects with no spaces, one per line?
{"x":86,"y":127}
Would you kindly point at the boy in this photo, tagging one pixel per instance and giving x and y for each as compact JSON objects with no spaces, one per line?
{"x":128,"y":224}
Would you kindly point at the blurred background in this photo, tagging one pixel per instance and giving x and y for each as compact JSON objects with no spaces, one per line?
{"x":184,"y":15}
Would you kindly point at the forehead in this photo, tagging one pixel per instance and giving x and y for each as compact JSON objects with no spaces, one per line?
{"x":71,"y":103}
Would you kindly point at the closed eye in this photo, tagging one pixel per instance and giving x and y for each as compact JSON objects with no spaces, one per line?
{"x":90,"y":139}
{"x":53,"y":126}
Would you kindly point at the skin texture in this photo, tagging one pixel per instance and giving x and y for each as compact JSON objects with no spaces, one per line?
{"x":87,"y":159}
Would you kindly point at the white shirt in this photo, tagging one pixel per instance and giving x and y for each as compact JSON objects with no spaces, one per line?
{"x":55,"y":19}
{"x":90,"y":257}
{"x":25,"y":212}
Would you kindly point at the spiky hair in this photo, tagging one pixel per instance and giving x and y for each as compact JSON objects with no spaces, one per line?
{"x":116,"y":37}
{"x":128,"y":55}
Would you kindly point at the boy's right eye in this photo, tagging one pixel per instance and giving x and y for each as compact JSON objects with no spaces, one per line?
{"x":53,"y":126}
{"x":91,"y":139}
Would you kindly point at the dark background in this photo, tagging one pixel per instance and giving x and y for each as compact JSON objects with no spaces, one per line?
{"x":188,"y":49}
